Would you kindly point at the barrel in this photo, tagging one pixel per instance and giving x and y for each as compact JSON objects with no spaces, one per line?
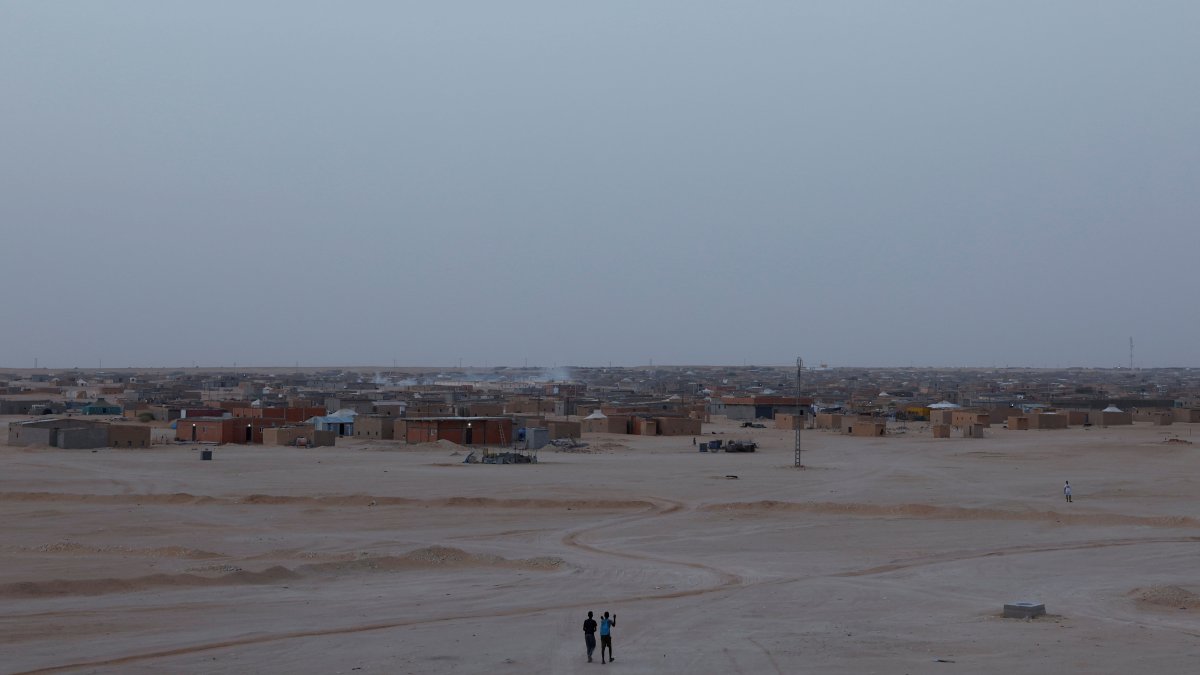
{"x":206,"y":455}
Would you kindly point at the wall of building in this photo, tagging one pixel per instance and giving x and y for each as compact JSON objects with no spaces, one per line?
{"x":51,"y":433}
{"x":379,"y":427}
{"x":564,"y":429}
{"x":539,"y":406}
{"x":938,"y":416}
{"x":788,"y":421}
{"x":489,"y":431}
{"x":1187,"y":415}
{"x":1047,"y":421}
{"x":740,"y":413}
{"x":967,"y":418}
{"x":829,"y":421}
{"x":224,"y":430}
{"x":128,"y":436}
{"x":1110,"y":419}
{"x":82,"y":438}
{"x":677,"y":426}
{"x":1075,"y":417}
{"x":645,"y":426}
{"x":865,"y":428}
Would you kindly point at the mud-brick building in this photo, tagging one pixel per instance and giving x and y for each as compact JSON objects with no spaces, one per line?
{"x":243,"y":430}
{"x":461,"y":430}
{"x":379,"y":427}
{"x":128,"y":436}
{"x":299,"y":435}
{"x":72,"y":434}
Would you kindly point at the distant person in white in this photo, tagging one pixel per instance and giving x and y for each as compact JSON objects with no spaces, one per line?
{"x":1067,"y":490}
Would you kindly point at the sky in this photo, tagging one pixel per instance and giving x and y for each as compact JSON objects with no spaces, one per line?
{"x":935,"y":183}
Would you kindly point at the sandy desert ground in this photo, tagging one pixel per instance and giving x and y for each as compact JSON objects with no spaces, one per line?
{"x":890,"y":555}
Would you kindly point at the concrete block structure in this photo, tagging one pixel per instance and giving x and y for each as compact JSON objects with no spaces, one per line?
{"x":378,"y":427}
{"x":1159,"y":418}
{"x":677,"y":426}
{"x":529,"y":406}
{"x":1187,"y":415}
{"x":1075,"y":417}
{"x":789,"y":421}
{"x":479,"y":409}
{"x":1018,"y":423}
{"x":968,"y":418}
{"x":864,"y":427}
{"x":599,"y":423}
{"x":1047,"y":420}
{"x":299,"y":435}
{"x":941,"y":431}
{"x":71,"y":434}
{"x":461,"y":430}
{"x":1111,"y":416}
{"x":758,"y":406}
{"x":831,"y":421}
{"x":129,"y":436}
{"x":564,"y":429}
{"x":941,"y":416}
{"x":242,"y":430}
{"x":643,"y":426}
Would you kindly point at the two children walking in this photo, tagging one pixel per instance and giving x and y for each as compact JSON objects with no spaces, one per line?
{"x":589,"y":635}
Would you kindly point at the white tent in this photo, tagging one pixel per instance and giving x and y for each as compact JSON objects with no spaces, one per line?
{"x":596,"y":415}
{"x":944,"y":405}
{"x":1112,"y":408}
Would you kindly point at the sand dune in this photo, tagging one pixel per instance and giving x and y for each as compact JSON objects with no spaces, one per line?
{"x":327,"y":500}
{"x":424,"y":558}
{"x":933,"y":512}
{"x":70,"y":547}
{"x":1171,"y":597}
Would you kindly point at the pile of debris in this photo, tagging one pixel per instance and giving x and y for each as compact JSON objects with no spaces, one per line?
{"x":569,"y":445}
{"x":741,"y":446}
{"x":501,"y":458}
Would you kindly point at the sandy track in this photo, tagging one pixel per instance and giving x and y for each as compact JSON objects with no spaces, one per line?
{"x":886,"y":553}
{"x":658,"y":509}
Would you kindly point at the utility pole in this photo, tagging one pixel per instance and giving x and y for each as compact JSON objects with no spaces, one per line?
{"x":1131,"y":353}
{"x":799,"y":419}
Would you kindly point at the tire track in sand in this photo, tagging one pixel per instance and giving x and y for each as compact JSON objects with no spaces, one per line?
{"x":1012,"y":550}
{"x":571,"y":539}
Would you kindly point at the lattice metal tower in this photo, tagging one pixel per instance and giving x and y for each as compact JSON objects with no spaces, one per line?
{"x":799,"y":419}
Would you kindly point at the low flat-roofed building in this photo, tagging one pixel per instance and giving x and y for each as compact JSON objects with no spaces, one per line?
{"x":461,"y":430}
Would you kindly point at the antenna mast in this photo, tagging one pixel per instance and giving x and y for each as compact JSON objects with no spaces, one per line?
{"x":799,"y":419}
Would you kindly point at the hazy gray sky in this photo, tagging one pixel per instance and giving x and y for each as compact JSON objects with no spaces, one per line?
{"x":862,"y":183}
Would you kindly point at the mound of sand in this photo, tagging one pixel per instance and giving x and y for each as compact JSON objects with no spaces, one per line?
{"x":1173,"y":597}
{"x":104,"y":586}
{"x":431,"y":557}
{"x":69,"y":547}
{"x":326,"y":500}
{"x":441,"y":444}
{"x":934,"y":512}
